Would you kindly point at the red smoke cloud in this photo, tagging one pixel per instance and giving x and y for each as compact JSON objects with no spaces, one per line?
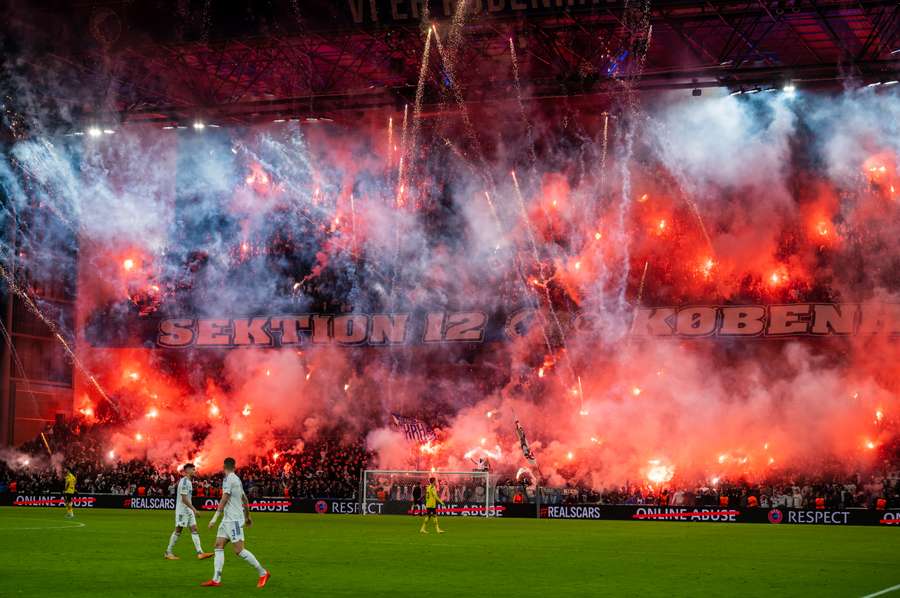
{"x":719,"y":201}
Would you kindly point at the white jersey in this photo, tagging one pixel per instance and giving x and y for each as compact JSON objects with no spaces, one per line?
{"x":185,"y":488}
{"x":234,"y":508}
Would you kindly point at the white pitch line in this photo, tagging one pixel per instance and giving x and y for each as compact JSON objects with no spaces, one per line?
{"x":72,"y":525}
{"x":883,"y":592}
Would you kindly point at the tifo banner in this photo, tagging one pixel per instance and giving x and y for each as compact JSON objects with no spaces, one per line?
{"x":638,"y":513}
{"x":474,"y":326}
{"x":774,"y":321}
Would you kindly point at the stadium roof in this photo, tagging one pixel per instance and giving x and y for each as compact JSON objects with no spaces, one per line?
{"x":171,"y":61}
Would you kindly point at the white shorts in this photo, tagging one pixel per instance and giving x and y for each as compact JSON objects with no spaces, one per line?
{"x":185,"y":519}
{"x":233,"y":530}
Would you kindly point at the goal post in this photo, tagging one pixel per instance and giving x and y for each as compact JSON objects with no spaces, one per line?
{"x":464,"y":492}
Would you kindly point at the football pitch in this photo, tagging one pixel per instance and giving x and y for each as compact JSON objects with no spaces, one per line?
{"x":107,"y":553}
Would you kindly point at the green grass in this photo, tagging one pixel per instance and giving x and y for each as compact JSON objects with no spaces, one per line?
{"x":119,"y":553}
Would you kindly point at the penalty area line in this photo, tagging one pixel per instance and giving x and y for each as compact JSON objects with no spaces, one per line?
{"x":883,"y":592}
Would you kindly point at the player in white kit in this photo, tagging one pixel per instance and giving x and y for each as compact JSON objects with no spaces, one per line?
{"x":185,"y":515}
{"x":235,"y":511}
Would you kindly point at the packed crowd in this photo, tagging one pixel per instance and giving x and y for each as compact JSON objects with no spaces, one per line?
{"x":322,"y":469}
{"x":327,"y":468}
{"x":851,"y":492}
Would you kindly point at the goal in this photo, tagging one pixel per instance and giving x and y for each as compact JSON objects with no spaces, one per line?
{"x":463,"y":492}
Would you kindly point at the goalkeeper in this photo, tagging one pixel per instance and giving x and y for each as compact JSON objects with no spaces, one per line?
{"x":431,"y":501}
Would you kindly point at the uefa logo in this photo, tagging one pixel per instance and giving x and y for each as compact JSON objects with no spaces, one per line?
{"x":776,"y":516}
{"x":321,"y":507}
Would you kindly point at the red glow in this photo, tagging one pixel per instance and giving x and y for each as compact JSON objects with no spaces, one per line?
{"x":659,"y":473}
{"x":881,"y":171}
{"x":879,"y":167}
{"x":258,"y":179}
{"x":86,"y":408}
{"x":429,"y":448}
{"x":778,"y":277}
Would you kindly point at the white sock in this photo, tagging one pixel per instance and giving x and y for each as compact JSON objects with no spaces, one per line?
{"x":196,"y":539}
{"x":248,"y":556}
{"x":218,"y":563}
{"x":172,"y":539}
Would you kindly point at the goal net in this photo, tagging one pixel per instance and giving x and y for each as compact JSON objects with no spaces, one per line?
{"x":463,"y":492}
